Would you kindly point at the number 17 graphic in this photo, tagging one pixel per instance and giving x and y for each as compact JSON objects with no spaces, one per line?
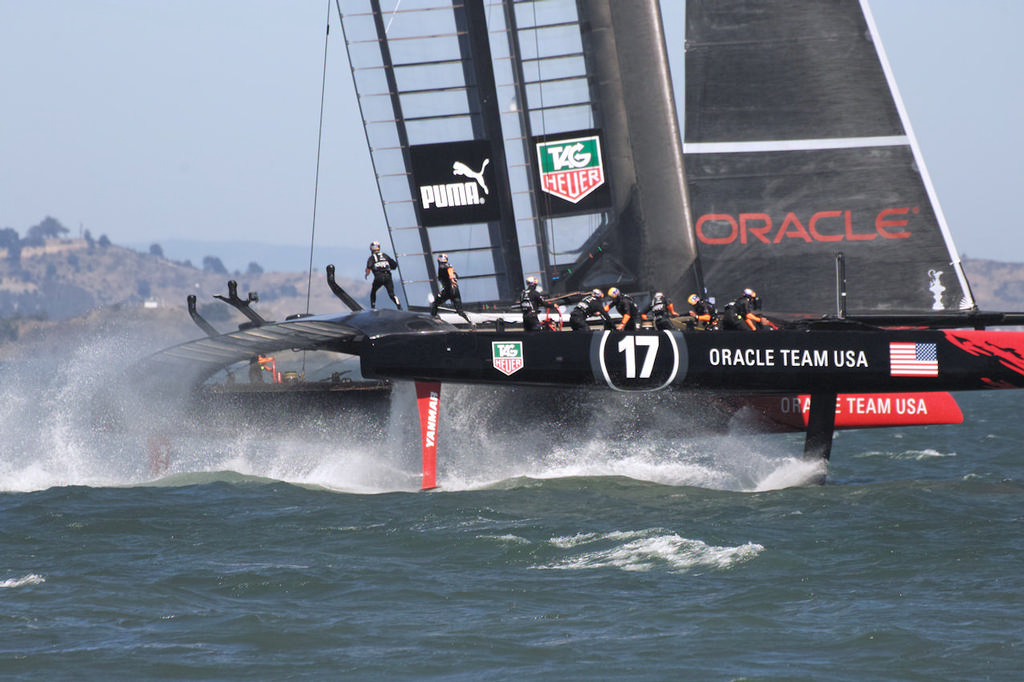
{"x":628,"y":345}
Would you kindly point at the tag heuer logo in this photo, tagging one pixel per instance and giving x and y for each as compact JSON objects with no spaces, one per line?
{"x":507,"y":356}
{"x":571,"y":169}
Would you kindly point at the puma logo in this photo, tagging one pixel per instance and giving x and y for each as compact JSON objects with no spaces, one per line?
{"x":459,"y":168}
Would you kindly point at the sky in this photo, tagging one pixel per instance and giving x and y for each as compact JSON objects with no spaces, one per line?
{"x":153,"y":120}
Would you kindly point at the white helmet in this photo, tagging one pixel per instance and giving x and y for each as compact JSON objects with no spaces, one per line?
{"x":597,"y":293}
{"x":442,"y":258}
{"x":374,"y":246}
{"x":531,"y":281}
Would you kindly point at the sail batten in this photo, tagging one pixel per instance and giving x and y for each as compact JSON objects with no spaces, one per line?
{"x":791,"y":145}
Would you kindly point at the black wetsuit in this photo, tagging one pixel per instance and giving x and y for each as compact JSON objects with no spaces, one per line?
{"x":627,"y":308}
{"x":704,"y":315}
{"x":588,"y":307}
{"x":740,"y":314}
{"x":661,"y":311}
{"x":255,"y":371}
{"x":449,"y":283}
{"x":381,"y":265}
{"x":531,"y":303}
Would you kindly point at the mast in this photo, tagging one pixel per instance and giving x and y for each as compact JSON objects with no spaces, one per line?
{"x":625,"y":44}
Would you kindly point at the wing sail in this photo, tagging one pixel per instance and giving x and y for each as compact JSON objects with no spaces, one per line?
{"x":505,"y":135}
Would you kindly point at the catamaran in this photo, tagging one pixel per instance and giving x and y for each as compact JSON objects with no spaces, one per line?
{"x":542,"y":138}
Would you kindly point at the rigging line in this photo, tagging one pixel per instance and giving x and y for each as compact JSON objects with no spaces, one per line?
{"x":547,"y":222}
{"x":391,"y":19}
{"x":316,"y":179}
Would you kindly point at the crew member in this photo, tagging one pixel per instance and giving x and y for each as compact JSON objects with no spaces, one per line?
{"x":703,"y":312}
{"x":740,"y":313}
{"x":381,"y":265}
{"x":255,"y":370}
{"x":662,"y":311}
{"x":448,"y":283}
{"x":257,"y":365}
{"x":589,"y":306}
{"x":626,"y":306}
{"x":531,"y":303}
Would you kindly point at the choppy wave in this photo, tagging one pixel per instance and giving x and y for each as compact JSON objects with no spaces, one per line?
{"x":645,"y":550}
{"x":30,"y":579}
{"x":915,"y":455}
{"x":589,"y":552}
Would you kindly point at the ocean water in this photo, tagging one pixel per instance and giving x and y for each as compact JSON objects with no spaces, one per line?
{"x":138,"y":548}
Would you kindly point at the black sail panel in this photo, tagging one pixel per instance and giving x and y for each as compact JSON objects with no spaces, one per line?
{"x":796,"y":150}
{"x":781,"y":70}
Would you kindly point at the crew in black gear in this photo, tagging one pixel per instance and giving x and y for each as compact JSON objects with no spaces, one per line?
{"x":531,"y":303}
{"x":588,"y":307}
{"x":448,"y":283}
{"x":702,"y":313}
{"x":661,"y":310}
{"x":740,"y":313}
{"x":381,"y":265}
{"x":626,"y":307}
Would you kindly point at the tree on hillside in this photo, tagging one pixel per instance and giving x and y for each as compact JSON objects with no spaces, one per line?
{"x":50,"y":228}
{"x":214,"y":265}
{"x":254,"y":269}
{"x":103,"y":241}
{"x":155,"y":250}
{"x":9,"y":237}
{"x":10,"y":240}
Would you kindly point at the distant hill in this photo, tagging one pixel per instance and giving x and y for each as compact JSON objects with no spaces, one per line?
{"x":236,"y":256}
{"x":996,"y":285}
{"x":69,"y":278}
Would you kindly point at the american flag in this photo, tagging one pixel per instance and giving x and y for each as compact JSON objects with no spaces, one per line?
{"x":913,"y":360}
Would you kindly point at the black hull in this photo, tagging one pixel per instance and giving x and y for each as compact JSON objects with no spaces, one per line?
{"x":839,"y":360}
